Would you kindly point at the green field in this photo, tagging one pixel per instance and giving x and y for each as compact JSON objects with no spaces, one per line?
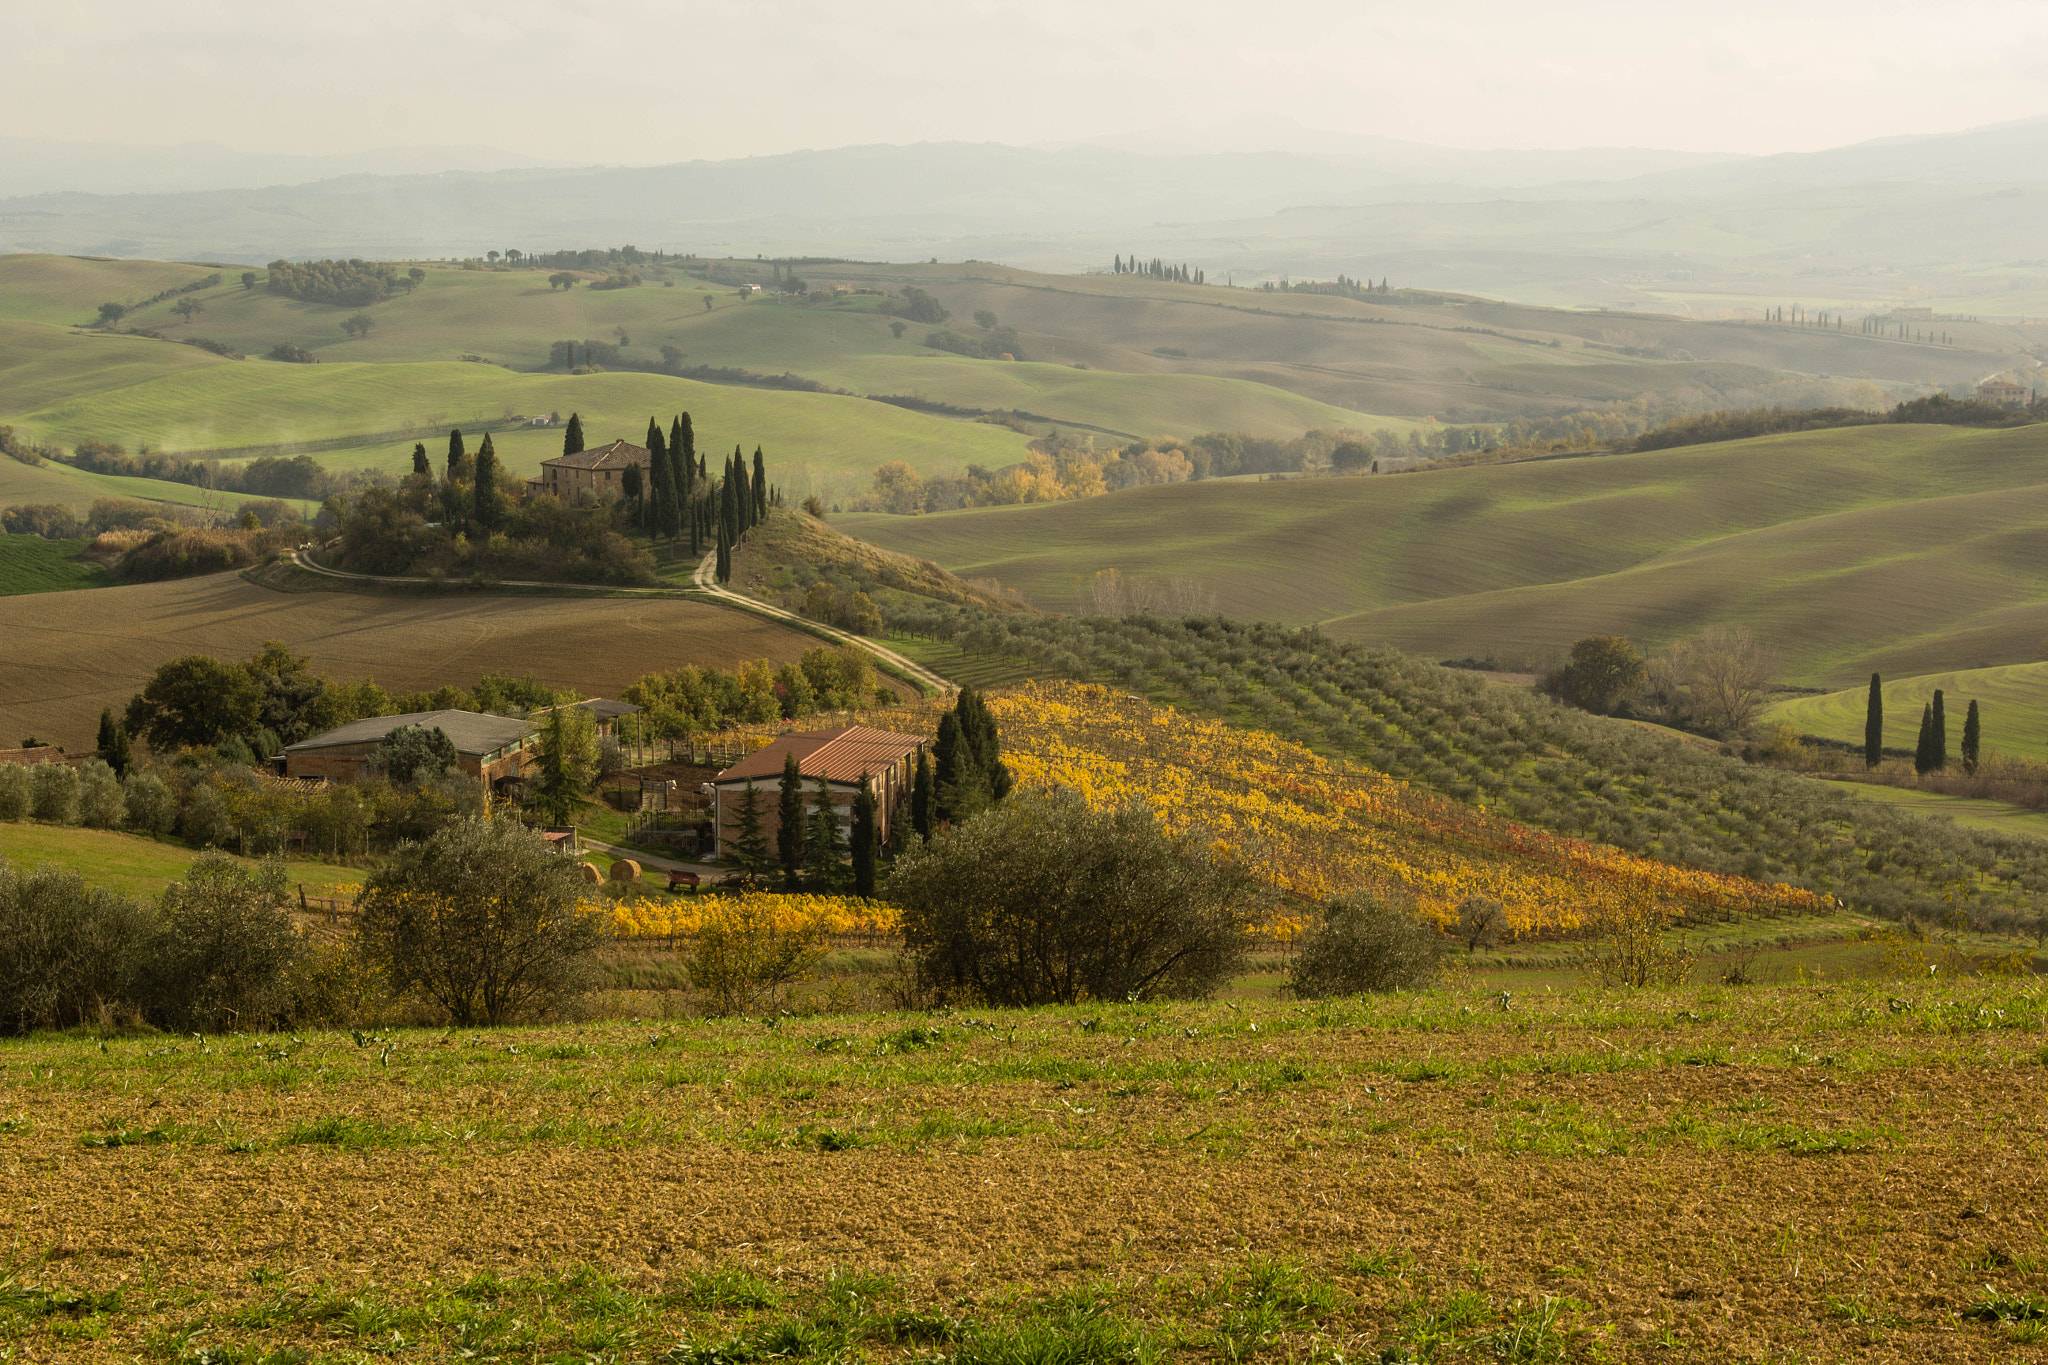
{"x":1995,"y":817}
{"x":130,"y":864}
{"x":2013,"y":701}
{"x":1896,"y":548}
{"x":32,"y":564}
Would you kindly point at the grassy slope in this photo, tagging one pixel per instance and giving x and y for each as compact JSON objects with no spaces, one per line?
{"x":1892,"y":547}
{"x":21,"y":483}
{"x":130,"y":864}
{"x":2012,"y":698}
{"x":32,"y":564}
{"x":1996,"y":817}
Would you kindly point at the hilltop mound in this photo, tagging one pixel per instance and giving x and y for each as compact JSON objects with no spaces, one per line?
{"x":786,"y":555}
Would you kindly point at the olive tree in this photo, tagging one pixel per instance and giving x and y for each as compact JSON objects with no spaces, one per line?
{"x":1041,"y":900}
{"x":1365,"y":943}
{"x":67,"y":951}
{"x":220,"y":948}
{"x":483,"y":919}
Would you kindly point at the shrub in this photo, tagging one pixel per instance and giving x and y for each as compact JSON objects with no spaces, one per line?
{"x":151,"y":807}
{"x":17,"y":796}
{"x":411,"y":752}
{"x":484,"y":920}
{"x":750,"y":948}
{"x":1041,"y":900}
{"x":1364,"y":943}
{"x":1634,"y":953}
{"x":220,"y":948}
{"x":56,"y":792}
{"x":100,"y":801}
{"x":67,"y":951}
{"x":206,"y":820}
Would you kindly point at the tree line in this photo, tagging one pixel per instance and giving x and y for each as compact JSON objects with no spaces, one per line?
{"x":1158,"y":270}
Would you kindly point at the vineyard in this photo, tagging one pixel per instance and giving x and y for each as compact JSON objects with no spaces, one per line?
{"x":1315,"y":827}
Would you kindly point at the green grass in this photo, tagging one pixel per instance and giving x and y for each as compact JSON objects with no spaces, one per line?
{"x":2013,"y":701}
{"x":1895,"y":548}
{"x":1997,"y":817}
{"x":129,"y":863}
{"x":32,"y":564}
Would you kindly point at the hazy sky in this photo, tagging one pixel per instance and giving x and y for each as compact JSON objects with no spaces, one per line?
{"x":662,"y":80}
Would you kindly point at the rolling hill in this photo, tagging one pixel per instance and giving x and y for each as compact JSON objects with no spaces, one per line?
{"x":1899,"y":548}
{"x":2013,"y":699}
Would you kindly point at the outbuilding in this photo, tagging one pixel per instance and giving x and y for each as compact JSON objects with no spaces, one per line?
{"x":490,"y":749}
{"x":845,"y":758}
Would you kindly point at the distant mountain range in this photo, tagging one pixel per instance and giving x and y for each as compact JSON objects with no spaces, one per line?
{"x":1898,"y":203}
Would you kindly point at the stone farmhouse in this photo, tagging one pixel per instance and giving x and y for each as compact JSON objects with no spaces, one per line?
{"x":491,"y":749}
{"x":2005,"y":392}
{"x":597,"y":471}
{"x":844,"y":757}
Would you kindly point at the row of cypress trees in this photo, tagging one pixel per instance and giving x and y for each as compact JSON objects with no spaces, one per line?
{"x":1930,"y":749}
{"x":964,"y":773}
{"x":483,"y":507}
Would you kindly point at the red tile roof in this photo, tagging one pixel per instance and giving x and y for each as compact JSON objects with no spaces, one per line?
{"x":843,"y":755}
{"x":617,"y":455}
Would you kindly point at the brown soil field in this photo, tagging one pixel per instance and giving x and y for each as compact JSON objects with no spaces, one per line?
{"x":64,"y":656}
{"x":1835,"y":1172}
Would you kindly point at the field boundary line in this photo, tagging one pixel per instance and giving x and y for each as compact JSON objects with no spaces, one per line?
{"x":706,"y":579}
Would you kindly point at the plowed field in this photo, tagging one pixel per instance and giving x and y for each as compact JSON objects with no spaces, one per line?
{"x":1813,"y":1173}
{"x":64,"y":656}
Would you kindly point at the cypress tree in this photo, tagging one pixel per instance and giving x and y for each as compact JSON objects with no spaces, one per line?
{"x":678,"y":482}
{"x":823,"y":843}
{"x":1873,"y":724}
{"x":1973,"y":739}
{"x":420,"y":463}
{"x":684,"y":451}
{"x":789,"y":823}
{"x":1940,"y":733}
{"x":572,"y":438}
{"x":865,"y":844}
{"x":113,"y":744}
{"x":749,"y":845}
{"x":658,"y":469}
{"x":729,"y":509}
{"x":486,"y":500}
{"x":456,"y":454}
{"x":978,"y":729}
{"x":921,"y":796}
{"x":760,"y":487}
{"x":1923,"y":751}
{"x":722,"y":567}
{"x":742,"y":498}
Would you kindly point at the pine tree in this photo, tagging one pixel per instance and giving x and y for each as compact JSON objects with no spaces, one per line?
{"x":960,"y":783}
{"x":789,"y":823}
{"x":823,"y":843}
{"x":921,"y":796}
{"x":865,"y":843}
{"x":1973,"y":739}
{"x":663,"y":490}
{"x":457,"y":455}
{"x":1923,"y":751}
{"x":113,"y":744}
{"x":1873,"y":724}
{"x":420,"y":463}
{"x":572,"y":438}
{"x":760,"y":488}
{"x":1940,"y":733}
{"x":749,"y":844}
{"x":486,"y":500}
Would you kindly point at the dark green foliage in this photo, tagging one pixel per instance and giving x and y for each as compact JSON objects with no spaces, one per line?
{"x":1923,"y":747}
{"x":866,"y":842}
{"x":789,"y":824}
{"x":572,"y":435}
{"x":750,"y":845}
{"x":1041,"y":900}
{"x":1524,"y":757}
{"x":1603,"y":670}
{"x":1365,"y":944}
{"x":633,"y":487}
{"x":681,"y":484}
{"x":219,"y":949}
{"x":969,"y":774}
{"x":420,"y":463}
{"x":486,"y":507}
{"x":350,"y":282}
{"x":661,"y":503}
{"x":921,"y":797}
{"x":195,"y":701}
{"x":824,"y":843}
{"x":1973,"y":739}
{"x":722,"y":566}
{"x":566,"y":763}
{"x":742,"y":496}
{"x":113,"y":743}
{"x":760,"y":487}
{"x":411,"y":753}
{"x":1938,"y":733}
{"x":458,"y":457}
{"x":67,"y":952}
{"x":1873,"y":724}
{"x":482,"y":919}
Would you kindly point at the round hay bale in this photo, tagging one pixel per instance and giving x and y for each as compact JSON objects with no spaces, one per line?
{"x":590,"y":874}
{"x":625,"y":870}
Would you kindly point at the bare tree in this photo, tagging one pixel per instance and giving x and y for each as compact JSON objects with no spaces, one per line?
{"x":1725,"y":674}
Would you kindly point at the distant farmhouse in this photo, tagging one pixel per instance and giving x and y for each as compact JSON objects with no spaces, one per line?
{"x":2005,"y":393}
{"x":845,"y":758}
{"x":490,"y":749}
{"x":596,"y":471}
